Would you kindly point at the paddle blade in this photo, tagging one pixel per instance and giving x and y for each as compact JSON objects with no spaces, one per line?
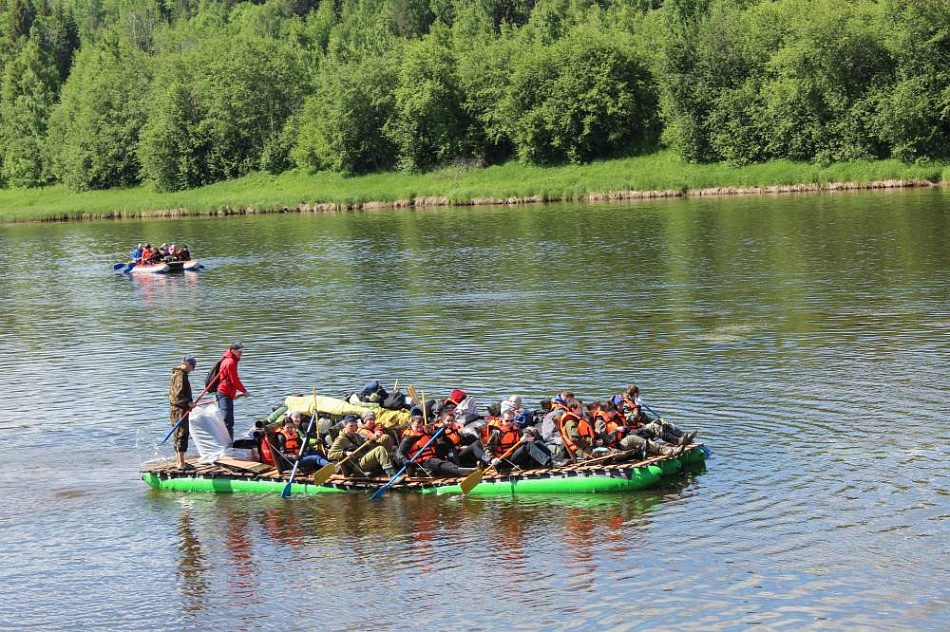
{"x":286,"y":491}
{"x":119,"y":265}
{"x":323,"y":474}
{"x":471,"y":481}
{"x":129,"y":268}
{"x":379,"y":492}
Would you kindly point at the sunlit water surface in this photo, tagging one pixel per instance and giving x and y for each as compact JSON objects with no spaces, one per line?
{"x":807,"y":338}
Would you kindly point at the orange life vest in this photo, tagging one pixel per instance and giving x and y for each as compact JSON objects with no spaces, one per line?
{"x":583,"y":427}
{"x":506,"y":439}
{"x":453,"y":435}
{"x":422,"y":438}
{"x":611,"y":424}
{"x":485,"y":431}
{"x":291,"y":440}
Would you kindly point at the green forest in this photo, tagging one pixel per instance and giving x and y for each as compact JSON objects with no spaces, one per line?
{"x":177,"y":94}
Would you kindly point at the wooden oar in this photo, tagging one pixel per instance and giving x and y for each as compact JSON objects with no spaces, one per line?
{"x":385,"y":488}
{"x":412,"y":394}
{"x":472,"y":480}
{"x":303,"y":445}
{"x":320,"y":476}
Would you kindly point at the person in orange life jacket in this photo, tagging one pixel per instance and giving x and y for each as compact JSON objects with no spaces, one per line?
{"x":576,"y":432}
{"x":413,"y":441}
{"x":459,"y":448}
{"x":371,"y":461}
{"x":374,"y":432}
{"x":646,"y":424}
{"x":180,"y":400}
{"x":502,"y":438}
{"x":289,"y":440}
{"x":229,"y":384}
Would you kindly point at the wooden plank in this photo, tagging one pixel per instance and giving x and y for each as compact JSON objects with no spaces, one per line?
{"x":244,"y":466}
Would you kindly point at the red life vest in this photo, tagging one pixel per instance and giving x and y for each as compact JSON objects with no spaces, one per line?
{"x":422,"y":438}
{"x":583,"y":427}
{"x":291,"y":440}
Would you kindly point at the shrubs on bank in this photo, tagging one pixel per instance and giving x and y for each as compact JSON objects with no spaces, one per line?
{"x":107,"y":95}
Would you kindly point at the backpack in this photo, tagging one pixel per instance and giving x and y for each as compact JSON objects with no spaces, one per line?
{"x":212,"y":380}
{"x":394,"y":401}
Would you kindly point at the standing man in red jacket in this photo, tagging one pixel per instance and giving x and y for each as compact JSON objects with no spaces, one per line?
{"x":229,"y":384}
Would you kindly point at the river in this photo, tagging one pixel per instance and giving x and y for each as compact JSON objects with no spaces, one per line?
{"x":807,"y":338}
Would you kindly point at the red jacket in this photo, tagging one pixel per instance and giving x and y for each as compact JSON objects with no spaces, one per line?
{"x":230,"y":383}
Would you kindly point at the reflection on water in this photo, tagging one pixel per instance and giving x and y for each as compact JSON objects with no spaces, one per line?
{"x":806,"y":337}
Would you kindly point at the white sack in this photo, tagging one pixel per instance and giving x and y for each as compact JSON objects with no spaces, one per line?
{"x":207,"y":429}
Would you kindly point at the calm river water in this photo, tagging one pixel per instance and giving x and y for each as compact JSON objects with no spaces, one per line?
{"x":807,"y":338}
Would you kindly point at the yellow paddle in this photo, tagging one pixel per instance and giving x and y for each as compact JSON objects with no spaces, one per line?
{"x":412,"y":394}
{"x":472,"y":480}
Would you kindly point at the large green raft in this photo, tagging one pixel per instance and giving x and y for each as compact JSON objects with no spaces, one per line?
{"x":231,"y":476}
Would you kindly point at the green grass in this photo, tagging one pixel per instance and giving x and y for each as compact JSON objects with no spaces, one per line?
{"x":262,"y":192}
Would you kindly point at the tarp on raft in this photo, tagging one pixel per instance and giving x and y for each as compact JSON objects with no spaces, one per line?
{"x":332,"y":407}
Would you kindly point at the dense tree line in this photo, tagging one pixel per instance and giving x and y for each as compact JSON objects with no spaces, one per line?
{"x":181,"y":93}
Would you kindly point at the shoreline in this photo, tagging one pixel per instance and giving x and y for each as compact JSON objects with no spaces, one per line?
{"x":444,"y":201}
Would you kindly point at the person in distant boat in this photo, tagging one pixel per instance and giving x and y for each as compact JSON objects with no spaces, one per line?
{"x":229,"y":384}
{"x":290,"y":439}
{"x":181,"y":401}
{"x":577,"y":434}
{"x":647,"y":424}
{"x":184,"y":253}
{"x":137,"y":253}
{"x":369,"y":462}
{"x":163,"y":251}
{"x":173,"y":252}
{"x":418,"y":438}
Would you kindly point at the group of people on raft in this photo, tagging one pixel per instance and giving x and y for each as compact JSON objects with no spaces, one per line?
{"x":562,"y":430}
{"x":444,"y":438}
{"x":146,"y":253}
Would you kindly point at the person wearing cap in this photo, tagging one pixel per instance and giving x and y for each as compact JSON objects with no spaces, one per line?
{"x":137,"y":253}
{"x":373,"y":432}
{"x":371,"y":461}
{"x":181,"y":401}
{"x":229,"y":384}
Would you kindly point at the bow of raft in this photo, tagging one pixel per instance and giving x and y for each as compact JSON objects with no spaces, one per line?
{"x":230,"y":475}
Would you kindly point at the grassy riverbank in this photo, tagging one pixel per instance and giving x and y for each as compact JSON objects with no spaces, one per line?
{"x":658,"y":174}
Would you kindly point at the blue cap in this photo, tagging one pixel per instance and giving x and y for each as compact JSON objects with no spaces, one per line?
{"x":188,"y":359}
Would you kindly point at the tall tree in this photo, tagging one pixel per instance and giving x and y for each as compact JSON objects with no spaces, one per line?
{"x":30,"y":89}
{"x":94,"y":130}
